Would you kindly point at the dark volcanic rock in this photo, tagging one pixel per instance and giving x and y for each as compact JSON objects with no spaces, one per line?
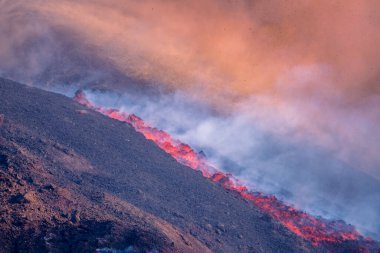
{"x":77,"y":182}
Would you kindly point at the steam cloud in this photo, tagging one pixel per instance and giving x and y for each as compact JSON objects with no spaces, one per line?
{"x":284,"y":94}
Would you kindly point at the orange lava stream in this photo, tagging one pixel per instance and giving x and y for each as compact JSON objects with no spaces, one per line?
{"x":316,"y":230}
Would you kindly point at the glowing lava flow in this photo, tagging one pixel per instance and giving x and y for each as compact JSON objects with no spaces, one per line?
{"x":316,"y":230}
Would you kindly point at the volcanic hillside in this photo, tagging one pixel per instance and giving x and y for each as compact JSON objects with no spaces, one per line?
{"x":74,"y":180}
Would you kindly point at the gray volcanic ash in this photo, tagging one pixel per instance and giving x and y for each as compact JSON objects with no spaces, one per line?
{"x":81,"y":181}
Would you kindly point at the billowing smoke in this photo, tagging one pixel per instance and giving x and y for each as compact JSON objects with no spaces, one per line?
{"x":267,"y":153}
{"x":284,"y":94}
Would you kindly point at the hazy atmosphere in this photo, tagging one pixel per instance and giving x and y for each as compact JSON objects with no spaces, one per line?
{"x":284,"y":95}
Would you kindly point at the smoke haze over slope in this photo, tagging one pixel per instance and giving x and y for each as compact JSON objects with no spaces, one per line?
{"x":286,"y":90}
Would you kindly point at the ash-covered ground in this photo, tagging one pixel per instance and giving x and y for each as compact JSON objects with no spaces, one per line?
{"x":73,"y":180}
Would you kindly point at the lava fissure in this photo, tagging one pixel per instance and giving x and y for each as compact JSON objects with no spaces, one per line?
{"x":316,"y":230}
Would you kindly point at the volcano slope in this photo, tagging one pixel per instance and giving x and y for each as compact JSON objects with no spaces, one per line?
{"x":73,"y":180}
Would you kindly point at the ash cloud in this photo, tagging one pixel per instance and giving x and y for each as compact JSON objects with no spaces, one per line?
{"x":286,"y":90}
{"x":223,"y":52}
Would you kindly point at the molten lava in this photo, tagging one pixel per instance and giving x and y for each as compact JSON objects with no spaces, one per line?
{"x":316,"y":230}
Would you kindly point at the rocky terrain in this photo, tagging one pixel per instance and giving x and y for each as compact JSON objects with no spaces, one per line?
{"x":73,"y":180}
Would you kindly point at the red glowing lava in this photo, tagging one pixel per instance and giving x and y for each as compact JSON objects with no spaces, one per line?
{"x":316,"y":230}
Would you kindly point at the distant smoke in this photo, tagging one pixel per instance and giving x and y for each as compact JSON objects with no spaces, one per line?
{"x":285,"y":92}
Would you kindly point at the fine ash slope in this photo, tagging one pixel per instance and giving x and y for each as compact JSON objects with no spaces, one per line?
{"x":73,"y":182}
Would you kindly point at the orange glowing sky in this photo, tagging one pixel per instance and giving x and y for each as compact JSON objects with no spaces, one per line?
{"x":233,"y":48}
